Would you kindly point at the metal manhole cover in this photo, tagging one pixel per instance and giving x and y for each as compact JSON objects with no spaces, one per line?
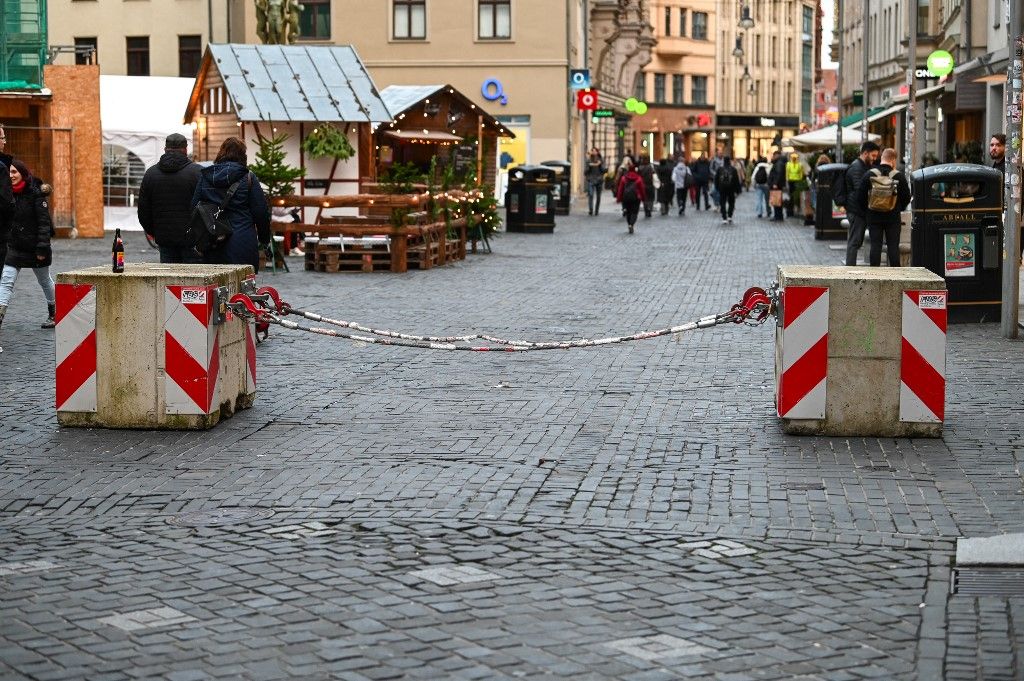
{"x":219,"y":516}
{"x":988,"y":581}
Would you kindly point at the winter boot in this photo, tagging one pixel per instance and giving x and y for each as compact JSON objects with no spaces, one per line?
{"x":49,"y":323}
{"x":3,"y":310}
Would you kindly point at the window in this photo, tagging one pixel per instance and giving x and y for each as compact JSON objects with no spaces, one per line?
{"x":789,"y":53}
{"x":668,"y":21}
{"x":808,"y":21}
{"x":677,"y":89}
{"x":640,"y":89}
{"x":190,"y":53}
{"x":659,"y":88}
{"x":772,"y":98}
{"x":775,"y":52}
{"x":808,"y":61}
{"x":757,"y":50}
{"x":922,"y":17}
{"x":82,"y":53}
{"x":699,"y":86}
{"x":495,"y":19}
{"x":137,"y":49}
{"x":410,"y":19}
{"x":315,"y":20}
{"x":682,"y":22}
{"x":700,"y":26}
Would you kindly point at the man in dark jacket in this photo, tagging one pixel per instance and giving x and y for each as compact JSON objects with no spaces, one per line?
{"x":727,"y":184}
{"x":854,"y":213}
{"x":165,"y":201}
{"x":701,"y":177}
{"x":883,"y":223}
{"x":777,"y":181}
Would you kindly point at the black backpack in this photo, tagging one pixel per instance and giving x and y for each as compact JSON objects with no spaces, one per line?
{"x":629,"y":194}
{"x":839,"y":189}
{"x":760,"y":175}
{"x":729,"y":179}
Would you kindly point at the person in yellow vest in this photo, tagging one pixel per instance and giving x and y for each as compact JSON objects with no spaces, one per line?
{"x":796,"y":178}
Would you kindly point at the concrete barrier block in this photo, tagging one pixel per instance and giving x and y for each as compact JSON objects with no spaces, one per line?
{"x":146,"y":348}
{"x":861,"y":351}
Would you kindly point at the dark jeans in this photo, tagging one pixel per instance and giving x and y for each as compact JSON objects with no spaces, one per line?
{"x":891,"y":232}
{"x":855,"y":238}
{"x":681,"y":193}
{"x":594,"y":197}
{"x":698,"y":190}
{"x":727,"y":202}
{"x":631,"y":210}
{"x":179,"y":255}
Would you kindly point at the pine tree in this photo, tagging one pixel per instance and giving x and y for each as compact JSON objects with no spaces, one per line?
{"x":276,"y":176}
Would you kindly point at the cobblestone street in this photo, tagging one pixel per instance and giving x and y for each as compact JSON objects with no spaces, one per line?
{"x":631,"y":511}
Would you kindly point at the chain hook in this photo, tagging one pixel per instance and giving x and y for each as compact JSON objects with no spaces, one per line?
{"x":279,"y":306}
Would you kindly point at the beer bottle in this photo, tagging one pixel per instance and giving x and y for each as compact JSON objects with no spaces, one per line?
{"x":118,"y":251}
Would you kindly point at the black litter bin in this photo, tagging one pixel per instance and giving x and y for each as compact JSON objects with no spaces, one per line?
{"x":529,"y":201}
{"x":828,"y":217}
{"x":958,"y":234}
{"x":563,"y":179}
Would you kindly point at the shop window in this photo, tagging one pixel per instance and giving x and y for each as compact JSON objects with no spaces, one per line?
{"x":315,"y":20}
{"x":495,"y":19}
{"x":410,"y":19}
{"x":137,"y":51}
{"x":190,"y":54}
{"x":699,"y":85}
{"x":700,"y":26}
{"x":85,"y":51}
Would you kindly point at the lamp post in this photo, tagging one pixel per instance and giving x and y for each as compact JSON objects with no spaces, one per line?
{"x":837,"y":31}
{"x":1011,"y":220}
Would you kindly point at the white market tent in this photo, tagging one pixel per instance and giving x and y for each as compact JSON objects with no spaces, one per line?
{"x":139,"y":112}
{"x":826,"y":137}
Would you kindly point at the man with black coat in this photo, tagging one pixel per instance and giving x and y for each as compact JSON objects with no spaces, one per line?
{"x":777,"y":180}
{"x":854,"y":213}
{"x":165,"y":201}
{"x":883,"y":223}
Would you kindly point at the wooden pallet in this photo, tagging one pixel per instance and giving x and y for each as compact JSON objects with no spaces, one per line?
{"x":351,"y":258}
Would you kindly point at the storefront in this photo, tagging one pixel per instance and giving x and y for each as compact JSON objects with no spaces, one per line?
{"x":672,"y":132}
{"x":749,"y":137}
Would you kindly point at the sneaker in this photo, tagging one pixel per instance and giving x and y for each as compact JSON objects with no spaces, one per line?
{"x":730,"y":221}
{"x":296,"y":251}
{"x":725,"y":220}
{"x":631,"y":229}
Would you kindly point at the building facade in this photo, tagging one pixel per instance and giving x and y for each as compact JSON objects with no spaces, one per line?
{"x":678,"y":85}
{"x":766,"y":73}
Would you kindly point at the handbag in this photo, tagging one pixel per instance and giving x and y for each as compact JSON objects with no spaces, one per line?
{"x":775,"y":198}
{"x":208,"y":227}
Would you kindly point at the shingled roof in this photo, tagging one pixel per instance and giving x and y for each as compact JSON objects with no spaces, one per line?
{"x":316,"y":83}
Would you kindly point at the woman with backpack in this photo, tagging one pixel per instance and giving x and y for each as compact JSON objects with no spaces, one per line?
{"x":29,"y":241}
{"x":630,"y":193}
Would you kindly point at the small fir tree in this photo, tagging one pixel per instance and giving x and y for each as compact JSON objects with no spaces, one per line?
{"x":276,"y":176}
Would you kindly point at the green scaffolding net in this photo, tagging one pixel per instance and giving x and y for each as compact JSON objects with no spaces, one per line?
{"x":22,"y":44}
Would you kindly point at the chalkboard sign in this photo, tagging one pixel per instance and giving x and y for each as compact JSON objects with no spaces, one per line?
{"x":315,"y":184}
{"x":465,"y":158}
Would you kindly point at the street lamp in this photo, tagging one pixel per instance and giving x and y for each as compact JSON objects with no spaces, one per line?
{"x":738,"y":50}
{"x":746,"y":21}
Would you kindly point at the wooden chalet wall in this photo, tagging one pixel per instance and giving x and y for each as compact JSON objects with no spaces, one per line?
{"x":221,"y":121}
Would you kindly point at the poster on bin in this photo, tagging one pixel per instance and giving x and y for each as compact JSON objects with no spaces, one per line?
{"x":959,"y":253}
{"x":541,"y":206}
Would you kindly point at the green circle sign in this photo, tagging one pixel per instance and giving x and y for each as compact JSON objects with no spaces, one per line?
{"x":631,"y":104}
{"x":940,"y":63}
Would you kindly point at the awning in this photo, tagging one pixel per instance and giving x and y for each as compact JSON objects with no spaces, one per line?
{"x":435,"y":136}
{"x":936,"y":90}
{"x":855,"y":118}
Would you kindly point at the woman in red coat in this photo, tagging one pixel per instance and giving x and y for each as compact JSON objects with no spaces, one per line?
{"x":630,"y":193}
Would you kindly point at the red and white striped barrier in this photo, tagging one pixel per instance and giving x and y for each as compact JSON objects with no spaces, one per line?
{"x":75,"y":345}
{"x":804,"y":347}
{"x":923,"y":357}
{"x":191,"y":350}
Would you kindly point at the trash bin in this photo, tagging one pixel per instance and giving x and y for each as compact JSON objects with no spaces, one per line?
{"x":957,"y":233}
{"x":152,"y":347}
{"x":563,"y":178}
{"x":529,"y":201}
{"x":828,"y":217}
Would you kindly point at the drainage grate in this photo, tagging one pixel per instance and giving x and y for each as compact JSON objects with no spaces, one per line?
{"x":219,"y":516}
{"x":988,"y":581}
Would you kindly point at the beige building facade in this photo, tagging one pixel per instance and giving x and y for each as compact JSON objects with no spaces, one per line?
{"x":679,"y":84}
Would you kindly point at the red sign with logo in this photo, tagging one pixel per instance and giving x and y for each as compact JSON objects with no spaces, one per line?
{"x":703,"y":120}
{"x":586,"y":100}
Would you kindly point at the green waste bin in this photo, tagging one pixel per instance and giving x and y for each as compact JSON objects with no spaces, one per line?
{"x":563,"y":179}
{"x":828,"y":217}
{"x":957,"y":233}
{"x":530,"y":200}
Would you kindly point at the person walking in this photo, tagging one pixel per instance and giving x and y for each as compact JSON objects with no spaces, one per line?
{"x":728,"y":185}
{"x":29,"y":240}
{"x":760,"y":180}
{"x":844,"y":194}
{"x":594,"y":176}
{"x":630,"y":194}
{"x":682,"y":180}
{"x":666,"y":189}
{"x":701,"y":177}
{"x":882,"y":195}
{"x":248,"y":211}
{"x":777,"y":182}
{"x":796,"y":181}
{"x":646,"y":171}
{"x":165,"y":197}
{"x":713,"y":168}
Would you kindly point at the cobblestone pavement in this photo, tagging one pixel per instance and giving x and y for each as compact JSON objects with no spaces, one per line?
{"x":625,"y":512}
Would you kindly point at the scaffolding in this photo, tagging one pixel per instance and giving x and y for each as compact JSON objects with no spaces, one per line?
{"x":22,"y":44}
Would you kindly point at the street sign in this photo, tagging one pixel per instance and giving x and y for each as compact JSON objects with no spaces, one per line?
{"x":604,"y":113}
{"x":579,"y":79}
{"x":586,"y":100}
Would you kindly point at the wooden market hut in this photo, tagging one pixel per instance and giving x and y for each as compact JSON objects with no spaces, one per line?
{"x":438,"y":120}
{"x":252,"y":91}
